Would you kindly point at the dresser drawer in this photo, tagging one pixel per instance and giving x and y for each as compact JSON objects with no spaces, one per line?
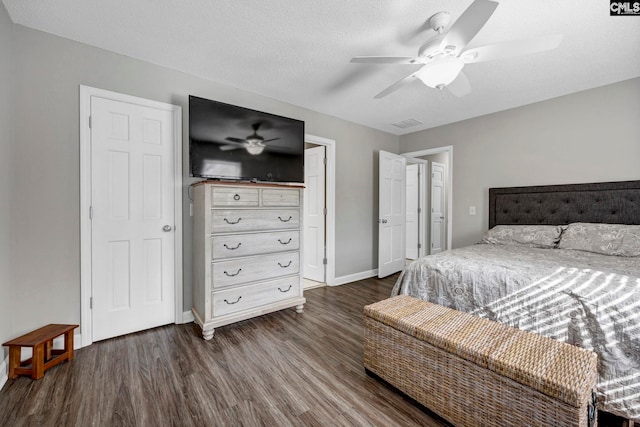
{"x":233,"y":196}
{"x":237,"y":245}
{"x":280,"y":197}
{"x":237,"y":271}
{"x":233,"y":300}
{"x":235,"y":221}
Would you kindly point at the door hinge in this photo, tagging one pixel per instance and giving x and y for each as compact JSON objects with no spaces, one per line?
{"x":324,"y":160}
{"x":90,"y":302}
{"x":419,"y":245}
{"x":324,"y":211}
{"x":324,"y":261}
{"x":432,"y":245}
{"x":89,"y":122}
{"x":419,"y":210}
{"x":90,"y":212}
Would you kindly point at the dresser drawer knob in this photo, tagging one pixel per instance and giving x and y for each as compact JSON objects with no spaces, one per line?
{"x":285,"y":243}
{"x":286,"y":290}
{"x":232,"y":249}
{"x":236,"y":197}
{"x":233,"y":274}
{"x":235,"y":302}
{"x":285,"y":266}
{"x":285,"y":220}
{"x":232,"y":222}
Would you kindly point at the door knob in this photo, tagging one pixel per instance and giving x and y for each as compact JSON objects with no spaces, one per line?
{"x":166,"y":228}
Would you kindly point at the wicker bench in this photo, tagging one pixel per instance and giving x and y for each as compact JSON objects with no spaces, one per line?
{"x":476,"y":372}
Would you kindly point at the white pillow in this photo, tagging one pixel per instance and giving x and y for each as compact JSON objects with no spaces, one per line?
{"x":538,"y":236}
{"x":607,"y":239}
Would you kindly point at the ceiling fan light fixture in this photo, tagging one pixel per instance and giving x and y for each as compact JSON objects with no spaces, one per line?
{"x":255,"y":149}
{"x":441,"y":72}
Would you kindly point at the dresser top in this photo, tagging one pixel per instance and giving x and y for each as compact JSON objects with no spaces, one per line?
{"x":250,"y":184}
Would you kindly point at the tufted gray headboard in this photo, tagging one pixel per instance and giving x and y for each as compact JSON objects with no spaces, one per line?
{"x":605,"y":202}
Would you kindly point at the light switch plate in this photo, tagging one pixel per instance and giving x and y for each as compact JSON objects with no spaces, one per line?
{"x":472,"y":210}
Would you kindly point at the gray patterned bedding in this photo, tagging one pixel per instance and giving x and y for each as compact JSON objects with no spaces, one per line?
{"x":584,"y":298}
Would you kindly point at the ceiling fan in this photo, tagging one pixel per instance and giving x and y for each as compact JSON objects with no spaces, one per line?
{"x":443,"y":57}
{"x":253,"y":143}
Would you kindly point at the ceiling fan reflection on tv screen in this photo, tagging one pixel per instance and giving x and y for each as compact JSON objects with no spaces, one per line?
{"x":229,"y":142}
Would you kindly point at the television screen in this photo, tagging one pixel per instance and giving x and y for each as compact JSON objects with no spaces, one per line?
{"x":228,"y":142}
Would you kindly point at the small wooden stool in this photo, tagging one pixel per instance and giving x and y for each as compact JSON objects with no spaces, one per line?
{"x":44,"y":356}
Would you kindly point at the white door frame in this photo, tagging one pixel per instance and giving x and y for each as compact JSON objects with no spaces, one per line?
{"x":330,"y":189}
{"x":86,"y":92}
{"x":449,"y":150}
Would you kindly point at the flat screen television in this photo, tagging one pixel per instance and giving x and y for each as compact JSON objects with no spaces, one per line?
{"x":227,"y":142}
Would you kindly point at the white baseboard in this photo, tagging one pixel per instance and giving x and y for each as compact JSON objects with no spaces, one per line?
{"x":4,"y":372}
{"x":342,"y":280}
{"x":187,"y":317}
{"x":77,"y":341}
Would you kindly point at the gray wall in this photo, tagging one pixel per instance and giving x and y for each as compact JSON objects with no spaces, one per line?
{"x":588,"y":136}
{"x":6,"y":142}
{"x":46,"y":255}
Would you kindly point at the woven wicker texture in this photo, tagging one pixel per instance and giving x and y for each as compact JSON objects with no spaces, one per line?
{"x":446,"y":359}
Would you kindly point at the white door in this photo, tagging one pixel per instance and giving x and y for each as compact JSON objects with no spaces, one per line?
{"x":391,"y":213}
{"x":314,"y":214}
{"x":412,"y":223}
{"x":133,"y":220}
{"x":438,"y":224}
{"x":423,"y":235}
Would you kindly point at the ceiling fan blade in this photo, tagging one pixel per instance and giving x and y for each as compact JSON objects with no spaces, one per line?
{"x":269,"y":140}
{"x":230,"y":147}
{"x":468,"y":24}
{"x":229,"y":138}
{"x":511,"y":49}
{"x":397,"y":85}
{"x":460,"y":86}
{"x":384,"y":60}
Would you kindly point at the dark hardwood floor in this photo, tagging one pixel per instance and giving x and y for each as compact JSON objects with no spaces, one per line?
{"x":281,"y":369}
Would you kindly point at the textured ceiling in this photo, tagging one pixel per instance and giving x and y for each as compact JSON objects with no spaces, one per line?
{"x":298,"y":51}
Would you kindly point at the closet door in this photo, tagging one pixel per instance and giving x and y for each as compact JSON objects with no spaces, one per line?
{"x":133,"y":217}
{"x":314,"y":214}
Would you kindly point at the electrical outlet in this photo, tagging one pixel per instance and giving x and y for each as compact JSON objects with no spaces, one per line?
{"x":472,"y":210}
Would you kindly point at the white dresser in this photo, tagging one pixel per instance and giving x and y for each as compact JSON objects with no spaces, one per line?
{"x":246,"y":252}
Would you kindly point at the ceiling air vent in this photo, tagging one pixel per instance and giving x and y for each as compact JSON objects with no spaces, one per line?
{"x":407,"y":123}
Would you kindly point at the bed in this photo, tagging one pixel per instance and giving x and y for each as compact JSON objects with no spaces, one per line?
{"x":562,"y":261}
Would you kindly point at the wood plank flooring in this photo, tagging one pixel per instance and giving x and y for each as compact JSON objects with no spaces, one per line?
{"x":281,"y":369}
